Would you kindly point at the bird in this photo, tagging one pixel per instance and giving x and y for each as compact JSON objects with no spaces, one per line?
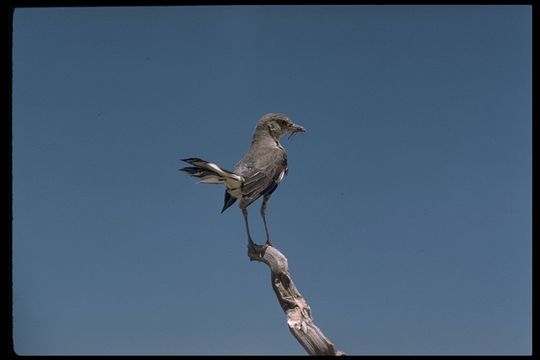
{"x":257,"y":174}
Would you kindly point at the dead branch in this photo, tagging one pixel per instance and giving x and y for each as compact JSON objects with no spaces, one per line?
{"x":298,"y":312}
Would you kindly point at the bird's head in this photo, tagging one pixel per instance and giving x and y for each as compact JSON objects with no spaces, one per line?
{"x":278,"y":125}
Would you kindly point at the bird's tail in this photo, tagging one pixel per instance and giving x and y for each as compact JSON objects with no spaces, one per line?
{"x":210,"y":173}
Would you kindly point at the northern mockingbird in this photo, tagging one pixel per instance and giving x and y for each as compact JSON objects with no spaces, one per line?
{"x":258,"y":173}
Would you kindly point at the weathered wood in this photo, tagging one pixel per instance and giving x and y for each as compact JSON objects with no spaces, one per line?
{"x":298,"y":312}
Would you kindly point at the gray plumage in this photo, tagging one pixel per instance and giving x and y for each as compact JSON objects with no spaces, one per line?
{"x":259,"y":172}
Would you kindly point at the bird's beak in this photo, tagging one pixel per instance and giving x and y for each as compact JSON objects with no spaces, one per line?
{"x":296,"y":128}
{"x":293,"y":129}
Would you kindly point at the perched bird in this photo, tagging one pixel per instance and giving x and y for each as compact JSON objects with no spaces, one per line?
{"x":258,"y":173}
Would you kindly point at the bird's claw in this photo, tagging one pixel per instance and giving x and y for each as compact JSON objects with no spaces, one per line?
{"x":257,"y":250}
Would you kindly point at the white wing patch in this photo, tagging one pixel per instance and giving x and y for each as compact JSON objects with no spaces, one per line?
{"x":281,"y":176}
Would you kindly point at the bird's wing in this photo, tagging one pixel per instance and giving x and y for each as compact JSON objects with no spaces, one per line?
{"x":267,"y":173}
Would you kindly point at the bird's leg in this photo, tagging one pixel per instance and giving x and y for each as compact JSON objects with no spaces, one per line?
{"x":263,"y":214}
{"x":257,"y":249}
{"x":245,"y":213}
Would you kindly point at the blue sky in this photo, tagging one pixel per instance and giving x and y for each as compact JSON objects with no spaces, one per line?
{"x":405,"y":216}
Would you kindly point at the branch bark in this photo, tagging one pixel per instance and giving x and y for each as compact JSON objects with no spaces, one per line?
{"x":298,"y":312}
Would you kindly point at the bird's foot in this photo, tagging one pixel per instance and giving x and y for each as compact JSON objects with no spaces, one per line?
{"x":256,"y":251}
